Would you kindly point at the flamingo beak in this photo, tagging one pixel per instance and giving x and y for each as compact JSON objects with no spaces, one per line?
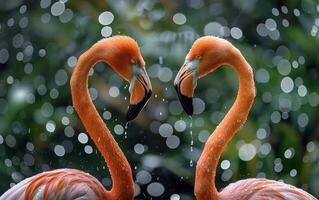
{"x":140,"y":90}
{"x":185,"y":84}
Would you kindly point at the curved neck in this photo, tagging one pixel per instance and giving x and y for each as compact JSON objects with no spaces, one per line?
{"x":206,"y":166}
{"x":123,"y":185}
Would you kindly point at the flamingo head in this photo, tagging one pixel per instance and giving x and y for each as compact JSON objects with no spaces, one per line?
{"x":125,"y":58}
{"x":206,"y":54}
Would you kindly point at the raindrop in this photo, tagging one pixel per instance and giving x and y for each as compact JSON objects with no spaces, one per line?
{"x":275,"y":117}
{"x":50,"y":126}
{"x":199,"y":106}
{"x":66,"y":16}
{"x":275,"y":12}
{"x":11,"y":141}
{"x":88,"y":149}
{"x":302,"y":90}
{"x":165,"y":74}
{"x":289,"y":153}
{"x":296,"y":12}
{"x":23,"y":22}
{"x":143,"y":177}
{"x":287,"y":84}
{"x":261,"y":30}
{"x":45,"y":3}
{"x":175,"y":197}
{"x":213,"y":28}
{"x":29,"y":146}
{"x":247,"y":152}
{"x":23,"y":9}
{"x":17,"y":40}
{"x":54,"y":93}
{"x":225,"y":164}
{"x":57,"y":8}
{"x":179,"y":19}
{"x":301,"y":60}
{"x":45,"y":18}
{"x":10,"y":22}
{"x":93,"y":93}
{"x":262,"y":76}
{"x":4,"y":56}
{"x":107,"y":115}
{"x":42,"y":53}
{"x":114,"y":91}
{"x":180,"y":125}
{"x":236,"y":33}
{"x":165,"y":130}
{"x":293,"y":173}
{"x":227,"y":174}
{"x":265,"y":149}
{"x":47,"y":109}
{"x":69,"y":131}
{"x":155,"y":189}
{"x":59,"y":150}
{"x":271,"y":24}
{"x":118,"y":129}
{"x":310,"y":146}
{"x":284,"y":67}
{"x":106,"y":18}
{"x":61,"y":77}
{"x":285,"y":23}
{"x":203,"y":136}
{"x":137,"y":190}
{"x":303,"y":120}
{"x":172,"y":142}
{"x":284,"y":9}
{"x":83,"y":138}
{"x":106,"y":31}
{"x":28,"y":160}
{"x":139,"y":148}
{"x":72,"y":61}
{"x":261,"y":133}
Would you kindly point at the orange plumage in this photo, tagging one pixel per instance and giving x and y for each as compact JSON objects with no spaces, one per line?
{"x":207,"y":54}
{"x":123,"y":55}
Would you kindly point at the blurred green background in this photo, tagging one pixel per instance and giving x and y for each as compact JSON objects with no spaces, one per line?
{"x":39,"y":130}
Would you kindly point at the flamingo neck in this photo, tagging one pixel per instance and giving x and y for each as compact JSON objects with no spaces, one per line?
{"x":122,"y":180}
{"x":205,"y":188}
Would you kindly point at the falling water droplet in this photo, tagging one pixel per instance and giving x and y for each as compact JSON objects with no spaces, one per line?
{"x":125,"y":132}
{"x":192,"y":140}
{"x":160,"y":60}
{"x":160,"y":113}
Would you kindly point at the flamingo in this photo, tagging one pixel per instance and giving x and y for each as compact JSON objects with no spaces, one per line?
{"x":206,"y":55}
{"x":123,"y":55}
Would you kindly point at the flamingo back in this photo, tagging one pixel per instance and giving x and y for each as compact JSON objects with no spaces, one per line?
{"x":62,"y":184}
{"x":263,"y":189}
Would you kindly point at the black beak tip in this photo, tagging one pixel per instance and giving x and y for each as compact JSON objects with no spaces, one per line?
{"x":135,"y":109}
{"x":186,"y":102}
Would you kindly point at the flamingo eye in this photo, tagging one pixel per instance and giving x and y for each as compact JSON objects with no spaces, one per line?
{"x":133,"y":61}
{"x":198,"y":57}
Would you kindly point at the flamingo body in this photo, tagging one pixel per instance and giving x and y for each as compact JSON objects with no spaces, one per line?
{"x":59,"y":184}
{"x":263,"y":189}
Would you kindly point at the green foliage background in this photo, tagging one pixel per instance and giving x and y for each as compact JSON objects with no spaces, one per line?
{"x":30,"y":97}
